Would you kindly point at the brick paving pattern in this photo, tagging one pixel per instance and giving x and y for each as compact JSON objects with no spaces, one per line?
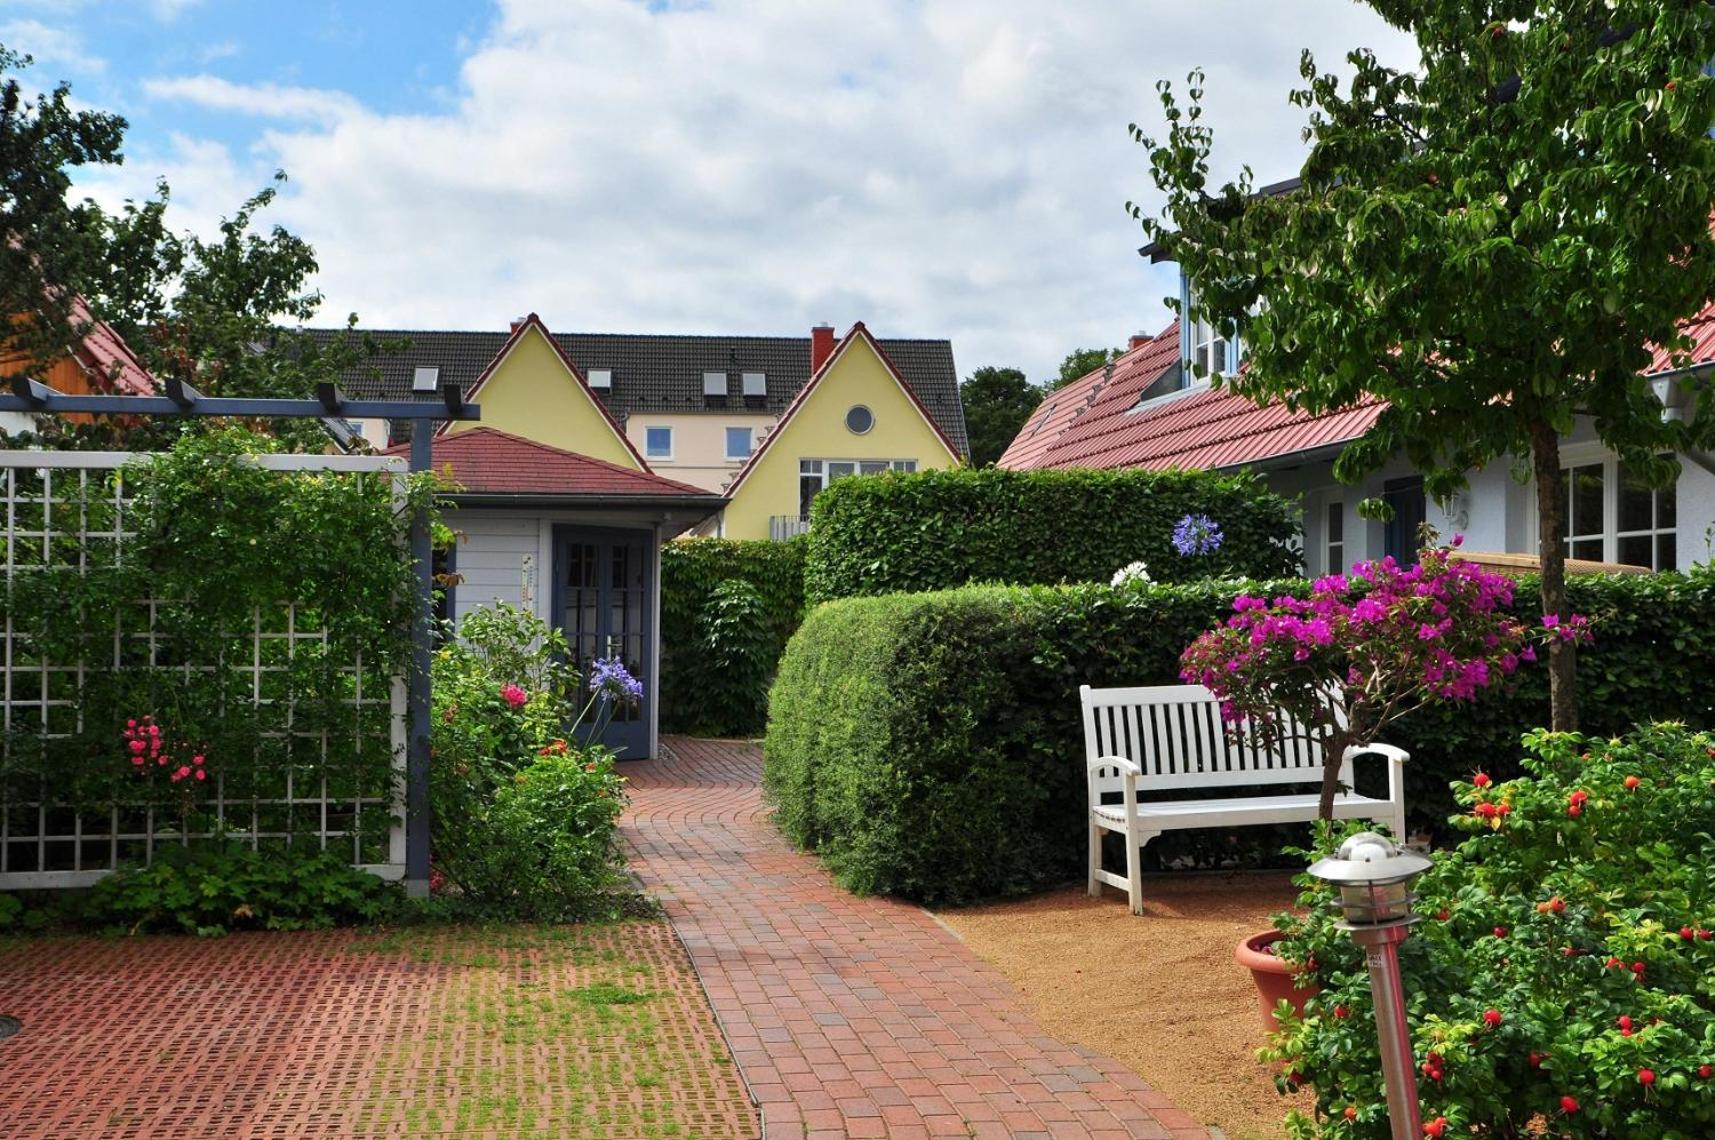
{"x":855,"y":1016}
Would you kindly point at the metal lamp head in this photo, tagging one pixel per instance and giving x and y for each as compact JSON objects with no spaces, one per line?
{"x":1374,"y":876}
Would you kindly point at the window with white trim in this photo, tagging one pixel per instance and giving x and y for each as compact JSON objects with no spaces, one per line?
{"x":1334,"y":537}
{"x":1207,"y":350}
{"x":739,"y":442}
{"x":1613,"y":516}
{"x":658,"y":442}
{"x":814,"y":474}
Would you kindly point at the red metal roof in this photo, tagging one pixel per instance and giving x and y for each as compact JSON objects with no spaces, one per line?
{"x":1701,"y":329}
{"x":486,"y":460}
{"x":1102,"y":425}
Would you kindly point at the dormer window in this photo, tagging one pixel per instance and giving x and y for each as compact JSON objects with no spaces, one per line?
{"x":1207,"y":352}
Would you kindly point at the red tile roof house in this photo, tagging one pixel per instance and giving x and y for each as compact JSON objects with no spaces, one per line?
{"x":1148,"y":410}
{"x":575,"y":540}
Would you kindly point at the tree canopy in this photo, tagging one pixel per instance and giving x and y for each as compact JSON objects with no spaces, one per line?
{"x":1490,"y":242}
{"x":220,"y":312}
{"x":997,"y":402}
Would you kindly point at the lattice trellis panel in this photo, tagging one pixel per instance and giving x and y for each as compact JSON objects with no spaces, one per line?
{"x":69,"y":509}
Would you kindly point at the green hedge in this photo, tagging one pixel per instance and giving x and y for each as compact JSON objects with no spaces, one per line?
{"x":930,"y":746}
{"x":934,"y":530}
{"x":727,"y":610}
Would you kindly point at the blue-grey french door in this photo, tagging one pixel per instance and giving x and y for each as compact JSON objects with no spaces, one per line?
{"x":602,"y":593}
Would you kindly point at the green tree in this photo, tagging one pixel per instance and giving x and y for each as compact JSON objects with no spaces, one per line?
{"x":997,"y":402}
{"x":1490,"y":242}
{"x":46,"y":240}
{"x":221,"y":313}
{"x":1080,"y":362}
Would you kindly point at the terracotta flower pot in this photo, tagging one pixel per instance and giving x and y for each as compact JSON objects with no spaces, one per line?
{"x":1273,"y":977}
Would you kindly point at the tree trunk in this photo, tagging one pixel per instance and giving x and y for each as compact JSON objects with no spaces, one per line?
{"x":1335,"y":748}
{"x":1551,"y":532}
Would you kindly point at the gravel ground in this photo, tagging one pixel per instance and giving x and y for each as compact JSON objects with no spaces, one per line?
{"x":1160,"y":993}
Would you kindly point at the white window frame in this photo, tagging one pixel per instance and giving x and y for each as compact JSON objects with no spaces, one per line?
{"x":749,"y":442}
{"x":822,"y":470}
{"x":1576,"y":457}
{"x":1200,"y":342}
{"x":1333,"y":551}
{"x":715,"y":383}
{"x":754,"y":383}
{"x":649,"y":451}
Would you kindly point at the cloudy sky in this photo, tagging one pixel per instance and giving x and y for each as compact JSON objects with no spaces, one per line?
{"x":938,"y":168}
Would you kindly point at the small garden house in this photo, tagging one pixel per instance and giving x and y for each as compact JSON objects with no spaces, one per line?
{"x":575,"y":540}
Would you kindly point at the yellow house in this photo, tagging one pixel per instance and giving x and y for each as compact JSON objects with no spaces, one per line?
{"x":855,"y":416}
{"x":532,"y":389}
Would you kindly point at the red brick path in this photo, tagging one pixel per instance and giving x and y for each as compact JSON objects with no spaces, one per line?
{"x":855,"y":1016}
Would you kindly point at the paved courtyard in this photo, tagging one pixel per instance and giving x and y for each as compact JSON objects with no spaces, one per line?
{"x":850,"y":1016}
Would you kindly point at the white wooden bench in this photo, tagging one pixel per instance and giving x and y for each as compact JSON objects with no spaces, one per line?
{"x":1147,"y":740}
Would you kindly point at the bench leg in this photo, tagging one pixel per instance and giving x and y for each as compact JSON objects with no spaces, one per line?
{"x":1134,"y":867}
{"x":1095,"y":885}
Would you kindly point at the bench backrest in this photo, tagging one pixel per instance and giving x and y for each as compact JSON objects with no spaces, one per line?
{"x":1176,"y":735}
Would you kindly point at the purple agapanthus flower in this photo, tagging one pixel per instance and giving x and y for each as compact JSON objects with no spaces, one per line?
{"x":1196,"y":534}
{"x":610,"y":678}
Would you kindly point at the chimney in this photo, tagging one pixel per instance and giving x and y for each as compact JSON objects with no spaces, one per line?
{"x":518,"y":323}
{"x":821,"y":346}
{"x":1137,"y":341}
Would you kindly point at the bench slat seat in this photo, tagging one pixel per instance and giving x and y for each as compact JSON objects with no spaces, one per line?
{"x":1142,"y":741}
{"x":1249,"y":810}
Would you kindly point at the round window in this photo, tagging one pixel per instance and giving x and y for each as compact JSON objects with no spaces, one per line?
{"x":859,"y":420}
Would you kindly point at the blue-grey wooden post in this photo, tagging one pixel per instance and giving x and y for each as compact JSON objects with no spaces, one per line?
{"x":417,"y":818}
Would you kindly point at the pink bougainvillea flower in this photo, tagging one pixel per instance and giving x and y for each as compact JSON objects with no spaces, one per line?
{"x":202,"y":773}
{"x":515,"y":696}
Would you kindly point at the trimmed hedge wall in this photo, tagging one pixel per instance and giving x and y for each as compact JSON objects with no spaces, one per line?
{"x":934,"y":530}
{"x":930,"y":746}
{"x":727,"y":610}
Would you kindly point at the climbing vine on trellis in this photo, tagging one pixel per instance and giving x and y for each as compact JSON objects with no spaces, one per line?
{"x":260,"y":616}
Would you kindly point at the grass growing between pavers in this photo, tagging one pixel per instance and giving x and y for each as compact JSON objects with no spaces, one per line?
{"x":508,"y":1031}
{"x":550,"y":1031}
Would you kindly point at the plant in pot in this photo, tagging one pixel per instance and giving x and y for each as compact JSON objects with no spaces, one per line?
{"x":1360,"y":652}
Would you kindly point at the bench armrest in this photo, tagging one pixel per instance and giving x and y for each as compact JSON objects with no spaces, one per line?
{"x":1397,"y":755}
{"x":1126,"y":766}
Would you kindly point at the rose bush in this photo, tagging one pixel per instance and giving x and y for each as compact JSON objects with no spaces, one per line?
{"x":1362,"y":651}
{"x":1562,"y":982}
{"x":525,"y":816}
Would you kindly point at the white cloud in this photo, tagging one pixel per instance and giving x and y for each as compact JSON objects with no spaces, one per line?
{"x":954,"y":169}
{"x":56,"y":45}
{"x":169,"y":10}
{"x":262,"y":100}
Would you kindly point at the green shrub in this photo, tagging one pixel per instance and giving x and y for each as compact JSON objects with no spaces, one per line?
{"x":1566,"y":952}
{"x":934,"y":530}
{"x":524,"y":818}
{"x":210,"y":889}
{"x":727,"y":609}
{"x":930,"y":745}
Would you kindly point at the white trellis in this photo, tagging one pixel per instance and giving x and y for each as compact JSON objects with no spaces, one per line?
{"x":46,"y":498}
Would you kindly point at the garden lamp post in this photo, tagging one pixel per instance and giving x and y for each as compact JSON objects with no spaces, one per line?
{"x":1374,"y":878}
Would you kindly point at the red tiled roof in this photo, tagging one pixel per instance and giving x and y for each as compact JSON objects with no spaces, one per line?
{"x":486,"y":460}
{"x":106,"y":359}
{"x":1210,"y":427}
